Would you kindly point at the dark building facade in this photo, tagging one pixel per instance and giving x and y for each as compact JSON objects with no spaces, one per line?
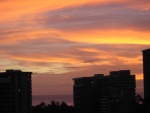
{"x":15,"y":92}
{"x":146,"y":71}
{"x":105,"y":94}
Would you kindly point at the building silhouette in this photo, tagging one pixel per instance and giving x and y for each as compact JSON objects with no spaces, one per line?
{"x":15,"y":92}
{"x":114,"y":93}
{"x":146,"y":72}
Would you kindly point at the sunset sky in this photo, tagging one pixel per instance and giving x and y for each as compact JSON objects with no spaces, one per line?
{"x":59,"y":40}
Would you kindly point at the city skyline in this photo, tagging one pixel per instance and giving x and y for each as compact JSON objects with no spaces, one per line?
{"x":106,"y":94}
{"x":61,"y":40}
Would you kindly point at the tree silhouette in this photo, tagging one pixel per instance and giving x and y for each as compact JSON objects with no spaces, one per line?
{"x":139,"y":99}
{"x":139,"y":104}
{"x":53,"y":107}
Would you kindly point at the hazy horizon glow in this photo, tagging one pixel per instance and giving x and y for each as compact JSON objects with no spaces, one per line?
{"x":60,"y":40}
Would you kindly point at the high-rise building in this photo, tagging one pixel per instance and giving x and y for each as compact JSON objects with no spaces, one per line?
{"x":82,"y":94}
{"x":15,"y":92}
{"x":106,"y":94}
{"x":146,"y":71}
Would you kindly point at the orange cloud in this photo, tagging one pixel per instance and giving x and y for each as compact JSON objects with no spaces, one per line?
{"x":24,"y":7}
{"x":45,"y":59}
{"x":109,"y":37}
{"x":92,"y":50}
{"x":122,"y":36}
{"x":30,"y":29}
{"x":83,"y":56}
{"x":74,"y":44}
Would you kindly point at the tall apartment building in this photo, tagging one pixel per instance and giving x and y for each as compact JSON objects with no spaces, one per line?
{"x":121,"y":92}
{"x":15,"y":92}
{"x":113,"y":93}
{"x":146,"y":71}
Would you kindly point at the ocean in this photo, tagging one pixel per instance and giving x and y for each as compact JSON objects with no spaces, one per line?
{"x":37,"y":99}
